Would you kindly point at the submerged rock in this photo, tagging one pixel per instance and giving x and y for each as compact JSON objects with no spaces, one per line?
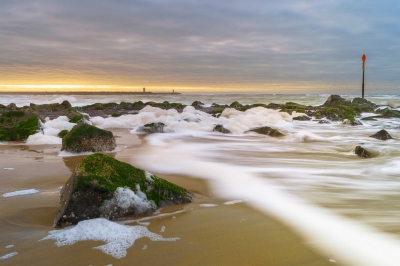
{"x":152,"y":128}
{"x":352,"y":123}
{"x":87,"y":138}
{"x":102,"y":186}
{"x":267,"y":131}
{"x":221,"y":128}
{"x":18,"y":125}
{"x":324,"y":121}
{"x":382,"y":135}
{"x":360,"y":151}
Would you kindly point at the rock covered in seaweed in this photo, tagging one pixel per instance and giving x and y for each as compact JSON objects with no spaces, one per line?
{"x":336,"y":100}
{"x":102,"y":186}
{"x":360,"y":151}
{"x":18,"y":125}
{"x":382,"y":135}
{"x":87,"y":138}
{"x":267,"y":131}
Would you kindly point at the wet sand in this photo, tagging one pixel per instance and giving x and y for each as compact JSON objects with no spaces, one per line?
{"x":220,"y":235}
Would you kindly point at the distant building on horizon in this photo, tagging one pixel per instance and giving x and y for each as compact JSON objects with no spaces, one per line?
{"x":144,"y":89}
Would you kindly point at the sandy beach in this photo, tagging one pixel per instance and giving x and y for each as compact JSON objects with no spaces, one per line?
{"x":210,"y":232}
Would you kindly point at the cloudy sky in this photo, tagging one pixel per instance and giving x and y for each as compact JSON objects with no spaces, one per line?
{"x":200,"y":45}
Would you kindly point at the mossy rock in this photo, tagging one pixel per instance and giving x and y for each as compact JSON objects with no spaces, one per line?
{"x":18,"y":125}
{"x":63,"y":133}
{"x":336,"y":100}
{"x":336,"y":113}
{"x":197,"y":104}
{"x":87,"y":138}
{"x":235,"y":104}
{"x":387,"y":113}
{"x":95,"y":181}
{"x":302,"y":118}
{"x":19,"y":131}
{"x":74,"y":116}
{"x":151,"y":128}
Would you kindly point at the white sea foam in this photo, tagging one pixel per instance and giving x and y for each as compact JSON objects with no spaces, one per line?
{"x":20,"y":192}
{"x":162,"y":230}
{"x":207,"y":205}
{"x":118,"y":237}
{"x":346,"y":240}
{"x":149,"y":177}
{"x":126,"y":198}
{"x":10,"y":246}
{"x":50,"y":130}
{"x":231,"y":202}
{"x":8,"y":168}
{"x":8,"y":256}
{"x":195,"y":121}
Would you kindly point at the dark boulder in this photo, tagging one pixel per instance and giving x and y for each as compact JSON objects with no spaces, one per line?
{"x":267,"y":131}
{"x":235,"y":104}
{"x":387,"y":113}
{"x":101,"y":186}
{"x":221,"y":128}
{"x":360,"y":151}
{"x":197,"y":104}
{"x":87,"y":138}
{"x":152,"y":128}
{"x":382,"y":135}
{"x":363,"y":102}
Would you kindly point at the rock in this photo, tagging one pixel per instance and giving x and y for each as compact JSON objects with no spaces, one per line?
{"x":302,"y":118}
{"x":336,"y":100}
{"x":197,"y":104}
{"x":12,"y":106}
{"x":66,"y":104}
{"x":369,"y":118}
{"x":267,"y":131}
{"x":151,"y":128}
{"x":362,"y":101}
{"x":324,"y":121}
{"x":360,"y":151}
{"x":101,"y":186}
{"x":352,"y":123}
{"x":87,"y":138}
{"x":387,"y":113}
{"x":18,"y":125}
{"x":221,"y":128}
{"x":382,"y":135}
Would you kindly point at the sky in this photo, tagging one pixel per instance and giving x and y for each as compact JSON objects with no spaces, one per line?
{"x":287,"y":46}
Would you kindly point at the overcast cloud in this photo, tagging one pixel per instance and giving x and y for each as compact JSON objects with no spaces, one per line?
{"x":244,"y":44}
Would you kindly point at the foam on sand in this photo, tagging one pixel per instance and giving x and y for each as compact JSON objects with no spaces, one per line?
{"x":118,"y":237}
{"x":20,"y":192}
{"x":125,"y":198}
{"x":232,"y":202}
{"x":8,"y":256}
{"x":208,"y":205}
{"x":8,"y":168}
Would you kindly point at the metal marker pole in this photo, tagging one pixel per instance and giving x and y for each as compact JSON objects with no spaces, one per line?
{"x":363,"y":71}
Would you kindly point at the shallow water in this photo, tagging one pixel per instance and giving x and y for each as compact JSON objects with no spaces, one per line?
{"x":341,"y":205}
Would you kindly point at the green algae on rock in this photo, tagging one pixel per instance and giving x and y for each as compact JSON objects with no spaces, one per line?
{"x":220,"y":128}
{"x":98,"y":180}
{"x":87,"y":138}
{"x":381,"y":135}
{"x":152,"y":128}
{"x":18,"y":125}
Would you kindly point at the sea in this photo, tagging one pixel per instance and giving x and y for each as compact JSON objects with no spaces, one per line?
{"x":310,"y":179}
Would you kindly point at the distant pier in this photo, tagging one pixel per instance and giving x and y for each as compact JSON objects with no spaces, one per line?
{"x":87,"y":93}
